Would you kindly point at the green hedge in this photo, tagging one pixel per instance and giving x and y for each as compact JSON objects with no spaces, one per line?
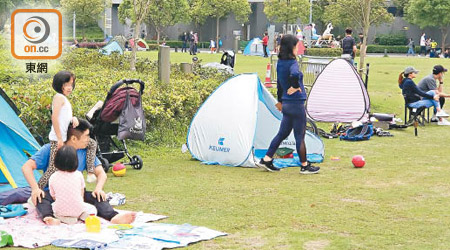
{"x":391,"y":39}
{"x":327,"y":52}
{"x":178,"y":44}
{"x":390,"y":49}
{"x":168,"y":108}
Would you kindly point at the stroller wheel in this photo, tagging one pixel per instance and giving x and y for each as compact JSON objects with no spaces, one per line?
{"x":137,"y":162}
{"x":105,"y":164}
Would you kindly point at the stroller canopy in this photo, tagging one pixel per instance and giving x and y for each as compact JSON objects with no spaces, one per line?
{"x":338,"y":95}
{"x":236,"y":124}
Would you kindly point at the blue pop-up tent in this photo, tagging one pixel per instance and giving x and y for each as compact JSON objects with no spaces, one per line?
{"x":111,"y":47}
{"x":16,"y":141}
{"x":255,"y":48}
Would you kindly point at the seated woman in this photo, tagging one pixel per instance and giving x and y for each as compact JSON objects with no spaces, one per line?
{"x":416,"y":98}
{"x":314,"y":32}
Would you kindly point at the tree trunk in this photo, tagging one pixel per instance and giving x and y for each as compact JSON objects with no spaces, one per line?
{"x":158,"y":35}
{"x":134,"y":47}
{"x":217,"y":31}
{"x":286,"y":29}
{"x":365,"y":26}
{"x":444,"y":32}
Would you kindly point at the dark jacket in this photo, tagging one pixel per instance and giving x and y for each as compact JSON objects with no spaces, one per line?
{"x":411,"y":92}
{"x":289,"y":75}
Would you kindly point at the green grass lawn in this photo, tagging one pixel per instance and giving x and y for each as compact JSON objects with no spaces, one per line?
{"x":399,"y":200}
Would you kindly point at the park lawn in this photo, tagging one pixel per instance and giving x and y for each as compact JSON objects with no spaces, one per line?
{"x":399,"y":200}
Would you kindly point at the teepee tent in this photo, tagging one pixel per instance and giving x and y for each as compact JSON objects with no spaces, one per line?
{"x":255,"y":48}
{"x":16,"y":141}
{"x":111,"y":47}
{"x":338,"y":95}
{"x":236,"y":124}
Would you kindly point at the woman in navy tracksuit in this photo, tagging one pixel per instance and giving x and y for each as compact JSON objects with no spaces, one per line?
{"x":291,"y":100}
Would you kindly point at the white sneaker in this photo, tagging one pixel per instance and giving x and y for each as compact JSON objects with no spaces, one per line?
{"x":442,"y":114}
{"x":444,"y":122}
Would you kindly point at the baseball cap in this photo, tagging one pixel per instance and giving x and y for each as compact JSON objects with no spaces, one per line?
{"x":438,"y":69}
{"x":410,"y":69}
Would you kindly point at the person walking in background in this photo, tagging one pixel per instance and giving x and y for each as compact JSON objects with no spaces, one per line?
{"x":427,"y":46}
{"x":291,"y":102}
{"x":191,"y":43}
{"x":265,"y":41}
{"x":212,"y":46}
{"x":278,"y":42}
{"x":219,"y":44}
{"x":184,"y":39}
{"x":195,"y":42}
{"x":410,"y":47}
{"x":433,"y":46}
{"x":349,"y":45}
{"x":423,"y":48}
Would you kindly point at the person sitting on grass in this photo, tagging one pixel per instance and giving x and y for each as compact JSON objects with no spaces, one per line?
{"x":78,"y":138}
{"x":69,"y":205}
{"x":416,"y":98}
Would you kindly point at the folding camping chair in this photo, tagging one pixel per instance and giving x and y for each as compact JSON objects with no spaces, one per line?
{"x":416,"y":114}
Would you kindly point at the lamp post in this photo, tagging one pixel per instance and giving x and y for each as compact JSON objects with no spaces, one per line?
{"x":310,"y":10}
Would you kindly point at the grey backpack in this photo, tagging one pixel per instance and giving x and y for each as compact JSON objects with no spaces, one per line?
{"x":132,"y":121}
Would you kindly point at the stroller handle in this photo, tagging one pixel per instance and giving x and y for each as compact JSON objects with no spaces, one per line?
{"x":127,"y":82}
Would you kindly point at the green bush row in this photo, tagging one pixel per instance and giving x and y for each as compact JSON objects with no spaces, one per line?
{"x":391,"y":39}
{"x":327,"y":52}
{"x":178,"y":44}
{"x":168,"y":108}
{"x":390,"y":49}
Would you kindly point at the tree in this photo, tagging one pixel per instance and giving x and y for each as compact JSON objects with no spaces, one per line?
{"x":430,"y":13}
{"x":401,"y":5}
{"x":8,"y":6}
{"x":287,"y":11}
{"x":201,"y":9}
{"x":359,"y":13}
{"x":136,"y":11}
{"x":165,"y":13}
{"x":87,"y":11}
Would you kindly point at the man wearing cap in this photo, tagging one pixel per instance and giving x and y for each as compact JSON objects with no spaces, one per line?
{"x":429,"y":83}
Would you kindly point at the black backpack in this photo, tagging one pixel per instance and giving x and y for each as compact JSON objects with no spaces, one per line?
{"x":228,"y":58}
{"x":359,"y":133}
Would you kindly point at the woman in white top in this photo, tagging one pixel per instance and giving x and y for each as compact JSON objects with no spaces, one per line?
{"x":62,"y":117}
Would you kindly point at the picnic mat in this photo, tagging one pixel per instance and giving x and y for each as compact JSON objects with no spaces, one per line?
{"x":29,"y":231}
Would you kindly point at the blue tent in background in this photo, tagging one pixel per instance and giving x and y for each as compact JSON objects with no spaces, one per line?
{"x":16,"y":141}
{"x":255,"y":48}
{"x":113,"y":46}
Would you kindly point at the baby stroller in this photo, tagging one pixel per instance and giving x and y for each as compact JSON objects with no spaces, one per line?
{"x":104,"y":118}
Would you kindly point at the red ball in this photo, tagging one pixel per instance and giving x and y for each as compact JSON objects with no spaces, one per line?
{"x":358,"y":161}
{"x":119,"y":169}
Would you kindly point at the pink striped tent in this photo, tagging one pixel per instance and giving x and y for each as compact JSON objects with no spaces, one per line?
{"x":338,"y":95}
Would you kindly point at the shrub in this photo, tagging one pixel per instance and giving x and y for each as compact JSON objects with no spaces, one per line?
{"x":92,"y":45}
{"x":390,"y":49}
{"x":327,"y":52}
{"x":169,"y":108}
{"x":391,"y":39}
{"x":178,"y":44}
